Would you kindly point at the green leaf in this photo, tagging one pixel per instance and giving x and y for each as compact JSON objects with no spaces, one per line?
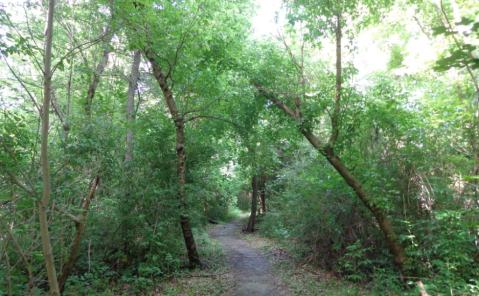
{"x":439,"y":30}
{"x":61,"y":66}
{"x":475,"y":27}
{"x":464,"y":21}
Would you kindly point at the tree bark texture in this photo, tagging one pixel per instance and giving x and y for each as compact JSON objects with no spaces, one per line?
{"x":177,"y":117}
{"x":254,"y":205}
{"x":43,"y":203}
{"x":130,"y":107}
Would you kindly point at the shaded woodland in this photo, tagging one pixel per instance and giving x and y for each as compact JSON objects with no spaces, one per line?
{"x":351,"y":135}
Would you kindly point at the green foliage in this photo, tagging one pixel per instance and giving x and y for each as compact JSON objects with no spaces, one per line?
{"x":353,"y":260}
{"x":410,"y":139}
{"x":448,"y":262}
{"x":234,"y":213}
{"x":459,"y":54}
{"x":396,"y":58}
{"x":132,"y":234}
{"x":320,"y":17}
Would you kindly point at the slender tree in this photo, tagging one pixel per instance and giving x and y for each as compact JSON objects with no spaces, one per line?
{"x":178,"y":120}
{"x":43,"y":203}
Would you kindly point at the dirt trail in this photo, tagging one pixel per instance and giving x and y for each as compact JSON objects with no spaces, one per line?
{"x":252,"y":272}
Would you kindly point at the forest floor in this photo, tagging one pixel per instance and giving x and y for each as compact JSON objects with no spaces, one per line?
{"x":262,"y":266}
{"x":252,"y":272}
{"x":250,"y":264}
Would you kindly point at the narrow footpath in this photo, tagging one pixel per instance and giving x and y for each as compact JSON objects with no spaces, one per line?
{"x":252,"y":272}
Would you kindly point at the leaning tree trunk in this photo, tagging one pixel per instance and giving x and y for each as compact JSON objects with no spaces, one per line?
{"x":43,"y":203}
{"x":326,"y":149}
{"x":254,"y":204}
{"x":177,"y":117}
{"x":384,"y":223}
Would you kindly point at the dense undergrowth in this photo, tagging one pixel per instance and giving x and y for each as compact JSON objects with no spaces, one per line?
{"x":319,"y":219}
{"x":354,"y":273}
{"x":160,"y":113}
{"x":170,"y":276}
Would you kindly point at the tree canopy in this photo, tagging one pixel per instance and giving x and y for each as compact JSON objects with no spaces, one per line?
{"x":351,"y":132}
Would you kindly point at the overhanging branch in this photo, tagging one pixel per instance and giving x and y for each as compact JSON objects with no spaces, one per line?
{"x":279,"y":103}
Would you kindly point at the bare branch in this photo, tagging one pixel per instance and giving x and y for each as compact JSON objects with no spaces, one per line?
{"x":38,"y":64}
{"x":66,"y":128}
{"x":32,"y":36}
{"x":62,"y":211}
{"x":281,"y":38}
{"x":80,"y":228}
{"x":287,"y":93}
{"x":473,"y":55}
{"x":20,"y":251}
{"x":96,"y":75}
{"x":421,"y":27}
{"x":17,"y":181}
{"x":178,"y":48}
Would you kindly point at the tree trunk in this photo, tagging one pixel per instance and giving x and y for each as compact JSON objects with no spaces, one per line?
{"x":99,"y":70}
{"x":43,"y":203}
{"x":384,"y":224}
{"x":262,"y":196}
{"x":326,"y":149}
{"x":254,"y":204}
{"x":130,"y":107}
{"x":177,"y":117}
